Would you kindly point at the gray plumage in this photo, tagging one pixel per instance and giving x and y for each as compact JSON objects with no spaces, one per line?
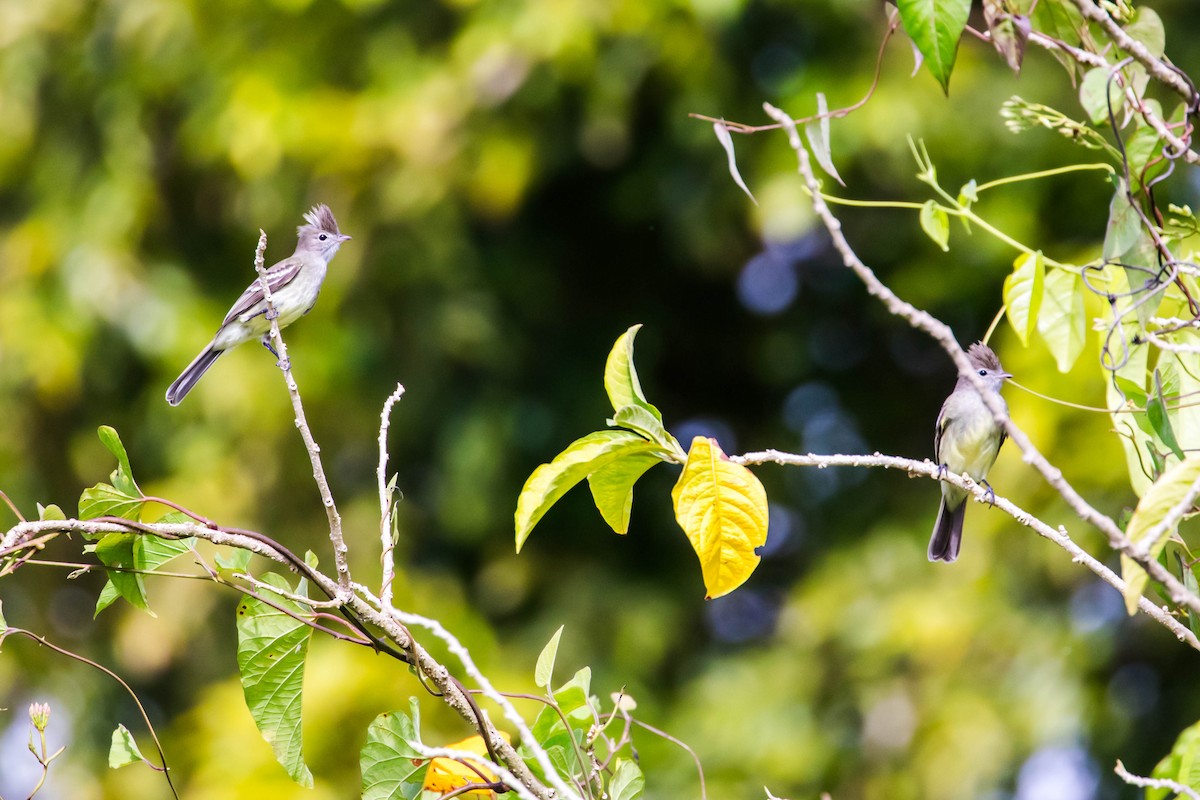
{"x":968,"y":440}
{"x":295,"y":283}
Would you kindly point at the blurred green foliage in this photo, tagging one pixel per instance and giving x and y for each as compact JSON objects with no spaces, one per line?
{"x":522,"y":183}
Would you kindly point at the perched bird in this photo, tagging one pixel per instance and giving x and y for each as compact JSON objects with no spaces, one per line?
{"x":967,"y":439}
{"x":294,"y":283}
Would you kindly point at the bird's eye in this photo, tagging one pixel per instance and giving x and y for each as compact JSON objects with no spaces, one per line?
{"x":322,"y":237}
{"x":983,"y":372}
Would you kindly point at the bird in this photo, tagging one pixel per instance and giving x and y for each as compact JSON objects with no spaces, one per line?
{"x":967,"y":439}
{"x":295,"y":283}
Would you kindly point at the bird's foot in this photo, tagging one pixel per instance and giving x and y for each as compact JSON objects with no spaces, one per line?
{"x":943,"y":470}
{"x":272,"y":313}
{"x":284,"y":364}
{"x":266,"y":342}
{"x":990,"y":497}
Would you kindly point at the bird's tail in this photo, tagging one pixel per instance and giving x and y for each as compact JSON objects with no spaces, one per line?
{"x":194,"y":372}
{"x":947,"y":532}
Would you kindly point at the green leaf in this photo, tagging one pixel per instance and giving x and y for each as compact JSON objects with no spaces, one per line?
{"x":1181,"y":766}
{"x":936,"y":224}
{"x":627,"y":782}
{"x":573,"y":699}
{"x":1096,"y":91}
{"x":1062,"y":322}
{"x":123,"y":477}
{"x":544,"y":672}
{"x":639,"y":420}
{"x":612,"y":488}
{"x":103,"y":500}
{"x":1147,"y":28}
{"x":3,"y":621}
{"x":1192,"y":585}
{"x":272,"y":647}
{"x":233,"y":560}
{"x":1167,"y":492}
{"x":1140,"y":264}
{"x":1023,"y":291}
{"x":1124,"y":227}
{"x":968,"y":194}
{"x":620,"y":377}
{"x":391,"y":767}
{"x":722,"y":508}
{"x":124,"y":750}
{"x":1062,"y":20}
{"x":935,"y":26}
{"x":1160,"y":421}
{"x":50,"y":512}
{"x":117,"y":550}
{"x":549,"y":482}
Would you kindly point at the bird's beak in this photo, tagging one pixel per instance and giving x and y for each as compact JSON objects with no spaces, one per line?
{"x":342,"y":237}
{"x":1005,"y":375}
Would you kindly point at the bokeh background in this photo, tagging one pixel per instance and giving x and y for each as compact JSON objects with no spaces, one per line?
{"x":522,"y":183}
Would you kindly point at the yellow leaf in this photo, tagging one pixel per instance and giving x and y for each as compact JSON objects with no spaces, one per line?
{"x":722,"y":508}
{"x":1166,"y":493}
{"x":446,"y":774}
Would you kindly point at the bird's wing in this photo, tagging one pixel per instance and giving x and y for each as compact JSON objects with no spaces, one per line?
{"x":278,"y":276}
{"x":939,"y":429}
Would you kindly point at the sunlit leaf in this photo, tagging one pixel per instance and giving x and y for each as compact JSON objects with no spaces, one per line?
{"x":1062,"y":322}
{"x":727,"y":142}
{"x":124,"y":750}
{"x":391,"y":767}
{"x":722,"y":508}
{"x":1166,"y":493}
{"x":272,"y":647}
{"x":612,"y":488}
{"x":638,"y":419}
{"x":543,"y":673}
{"x":936,"y":26}
{"x":817,"y":133}
{"x":620,"y":376}
{"x":936,"y":224}
{"x":445,"y":774}
{"x":549,"y":482}
{"x":1023,"y":290}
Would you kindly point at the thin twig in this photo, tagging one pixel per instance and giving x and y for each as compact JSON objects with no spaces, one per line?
{"x":310,"y":444}
{"x":42,"y":640}
{"x":387,"y":507}
{"x":928,"y":469}
{"x":1154,"y":783}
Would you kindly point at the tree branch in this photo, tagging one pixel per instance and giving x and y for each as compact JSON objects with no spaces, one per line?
{"x":928,"y":469}
{"x":944,"y":336}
